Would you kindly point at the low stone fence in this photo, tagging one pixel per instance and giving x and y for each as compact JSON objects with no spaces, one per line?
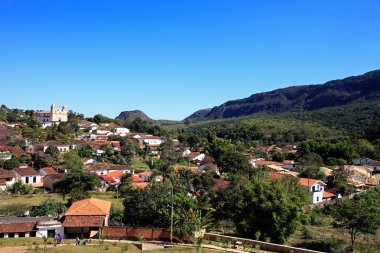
{"x":263,"y":245}
{"x":128,"y":232}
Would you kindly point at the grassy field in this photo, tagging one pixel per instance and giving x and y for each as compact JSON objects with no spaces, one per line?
{"x":14,"y":205}
{"x":37,"y":245}
{"x":319,"y":237}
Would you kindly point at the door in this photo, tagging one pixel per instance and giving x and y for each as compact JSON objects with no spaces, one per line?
{"x":51,"y":233}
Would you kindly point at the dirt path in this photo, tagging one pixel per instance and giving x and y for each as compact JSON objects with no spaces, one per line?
{"x":20,"y":249}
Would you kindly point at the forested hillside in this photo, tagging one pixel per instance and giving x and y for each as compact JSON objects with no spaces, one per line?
{"x":303,"y":98}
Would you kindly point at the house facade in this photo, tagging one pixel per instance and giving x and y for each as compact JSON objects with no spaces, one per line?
{"x":7,"y":179}
{"x":85,"y":218}
{"x":29,"y":176}
{"x":315,"y":187}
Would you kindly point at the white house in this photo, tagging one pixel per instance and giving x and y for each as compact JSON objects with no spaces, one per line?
{"x":122,"y":131}
{"x":7,"y":179}
{"x":105,"y":168}
{"x":316,"y":188}
{"x":147,"y":139}
{"x":29,"y":176}
{"x":194,"y":156}
{"x":49,"y":229}
{"x":41,"y":147}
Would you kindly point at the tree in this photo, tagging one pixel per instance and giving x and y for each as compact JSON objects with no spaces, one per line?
{"x":234,"y":162}
{"x":161,"y":167}
{"x":218,"y":146}
{"x":72,"y":161}
{"x":271,"y":207}
{"x":12,"y":163}
{"x":358,"y":215}
{"x":34,"y":135}
{"x":20,"y":188}
{"x":150,"y":206}
{"x":125,"y":184}
{"x":339,"y":179}
{"x":41,"y":160}
{"x":53,"y":152}
{"x":310,"y":165}
{"x":128,"y":149}
{"x":77,"y":184}
{"x":47,"y":207}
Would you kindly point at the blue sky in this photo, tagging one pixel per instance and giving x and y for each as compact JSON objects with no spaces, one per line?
{"x":171,"y":58}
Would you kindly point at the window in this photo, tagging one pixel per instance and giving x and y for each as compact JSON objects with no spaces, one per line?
{"x":34,"y":179}
{"x":317,"y":199}
{"x":26,"y":180}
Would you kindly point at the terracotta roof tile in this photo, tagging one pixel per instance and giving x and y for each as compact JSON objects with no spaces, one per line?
{"x":6,"y":174}
{"x":50,"y":170}
{"x":327,"y":195}
{"x":220,"y":183}
{"x":83,"y":221}
{"x":308,"y":182}
{"x":140,"y":184}
{"x":91,"y":206}
{"x":136,"y":178}
{"x":28,"y":171}
{"x":18,"y":227}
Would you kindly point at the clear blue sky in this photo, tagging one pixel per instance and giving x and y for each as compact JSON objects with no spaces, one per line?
{"x":171,"y":58}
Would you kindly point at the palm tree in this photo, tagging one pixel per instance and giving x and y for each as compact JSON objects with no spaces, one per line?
{"x":161,"y":167}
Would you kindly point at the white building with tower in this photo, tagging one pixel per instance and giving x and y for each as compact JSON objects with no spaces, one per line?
{"x":54,"y":116}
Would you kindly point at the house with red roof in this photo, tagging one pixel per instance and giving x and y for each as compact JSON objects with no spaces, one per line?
{"x":315,"y":187}
{"x":7,"y":179}
{"x":85,"y":218}
{"x":29,"y":176}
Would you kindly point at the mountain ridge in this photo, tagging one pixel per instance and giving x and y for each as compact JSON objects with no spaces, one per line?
{"x":312,"y":97}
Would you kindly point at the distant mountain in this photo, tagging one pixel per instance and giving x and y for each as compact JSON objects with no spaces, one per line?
{"x":199,"y":114}
{"x":351,"y":90}
{"x":132,"y":115}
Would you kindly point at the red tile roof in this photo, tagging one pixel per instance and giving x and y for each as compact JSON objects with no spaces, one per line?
{"x":50,"y":170}
{"x":192,"y":154}
{"x":91,"y":206}
{"x":327,"y":195}
{"x":136,"y":179}
{"x":28,"y":171}
{"x":220,"y":183}
{"x":56,"y":177}
{"x":16,"y":150}
{"x":309,"y":182}
{"x":18,"y":227}
{"x":83,"y":221}
{"x":140,"y":184}
{"x":6,"y":174}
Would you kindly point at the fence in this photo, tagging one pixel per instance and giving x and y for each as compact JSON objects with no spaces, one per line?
{"x":263,"y":245}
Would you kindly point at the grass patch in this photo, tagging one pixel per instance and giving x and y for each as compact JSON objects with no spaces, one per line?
{"x":12,"y":205}
{"x":109,"y":196}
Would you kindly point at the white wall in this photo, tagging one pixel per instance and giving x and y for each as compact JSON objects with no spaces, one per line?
{"x":43,"y":231}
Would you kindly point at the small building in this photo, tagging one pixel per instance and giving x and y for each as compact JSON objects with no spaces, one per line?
{"x":29,"y":176}
{"x":49,"y":229}
{"x":194,"y":156}
{"x":119,"y":130}
{"x":41,"y":147}
{"x":45,"y":171}
{"x":49,"y":180}
{"x":14,"y":227}
{"x":315,"y":187}
{"x":105,"y":168}
{"x":85,"y":218}
{"x":7,"y":179}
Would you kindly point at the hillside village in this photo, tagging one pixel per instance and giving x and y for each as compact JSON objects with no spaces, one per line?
{"x":51,"y":151}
